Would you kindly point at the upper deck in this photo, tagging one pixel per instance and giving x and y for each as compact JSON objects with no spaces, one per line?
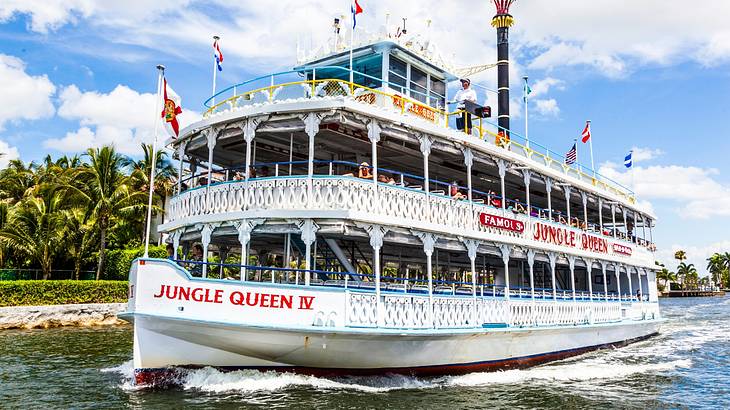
{"x":293,"y":144}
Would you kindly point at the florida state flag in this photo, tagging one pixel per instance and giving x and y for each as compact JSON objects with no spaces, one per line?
{"x":171,"y":110}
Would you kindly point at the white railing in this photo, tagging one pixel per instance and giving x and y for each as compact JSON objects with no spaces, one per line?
{"x":414,"y":312}
{"x":408,"y":206}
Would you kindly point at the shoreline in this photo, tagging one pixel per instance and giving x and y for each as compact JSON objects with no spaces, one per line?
{"x":47,"y":316}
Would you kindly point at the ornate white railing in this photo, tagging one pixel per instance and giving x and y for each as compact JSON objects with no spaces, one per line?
{"x":414,"y":312}
{"x":408,"y":206}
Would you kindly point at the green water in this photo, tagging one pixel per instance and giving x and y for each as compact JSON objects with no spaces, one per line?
{"x":687,"y":366}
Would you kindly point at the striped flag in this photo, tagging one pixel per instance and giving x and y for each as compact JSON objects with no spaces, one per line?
{"x":586,"y":134}
{"x":572,"y":156}
{"x":218,"y":55}
{"x":628,"y":160}
{"x":355,"y":9}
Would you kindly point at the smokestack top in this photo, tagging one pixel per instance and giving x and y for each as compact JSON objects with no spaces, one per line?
{"x":503,"y":20}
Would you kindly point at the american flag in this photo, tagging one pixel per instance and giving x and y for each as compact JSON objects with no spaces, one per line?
{"x":572,"y":156}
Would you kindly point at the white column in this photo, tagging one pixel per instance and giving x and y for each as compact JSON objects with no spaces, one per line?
{"x":631,"y":289}
{"x":613,"y":219}
{"x":553,"y":258}
{"x":571,"y":265}
{"x":584,"y":197}
{"x":600,"y":215}
{"x":641,"y":290}
{"x":176,"y":242}
{"x":205,"y":234}
{"x":471,"y":250}
{"x":309,"y":233}
{"x":531,"y":264}
{"x":549,"y":189}
{"x":626,"y":225}
{"x":244,"y":228}
{"x":502,"y":165}
{"x":566,"y":190}
{"x":506,"y":250}
{"x":181,"y":158}
{"x":311,"y":127}
{"x":635,"y":232}
{"x":618,"y":280}
{"x":211,"y":135}
{"x":377,"y":233}
{"x":374,"y":136}
{"x":469,"y":161}
{"x":426,"y":143}
{"x":527,"y":177}
{"x":429,"y":240}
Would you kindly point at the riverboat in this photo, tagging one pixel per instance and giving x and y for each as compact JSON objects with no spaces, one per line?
{"x":333,"y":220}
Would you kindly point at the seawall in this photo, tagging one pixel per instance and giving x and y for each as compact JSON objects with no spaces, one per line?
{"x":30,"y":317}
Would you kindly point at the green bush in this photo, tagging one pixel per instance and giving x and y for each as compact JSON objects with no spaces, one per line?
{"x":60,"y":292}
{"x":118,"y":261}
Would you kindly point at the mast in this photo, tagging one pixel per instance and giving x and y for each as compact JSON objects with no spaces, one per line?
{"x":502,"y":21}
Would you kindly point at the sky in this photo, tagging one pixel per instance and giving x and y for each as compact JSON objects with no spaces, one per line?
{"x":651,"y":75}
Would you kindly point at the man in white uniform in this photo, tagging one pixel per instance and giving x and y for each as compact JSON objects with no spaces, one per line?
{"x":465,"y":94}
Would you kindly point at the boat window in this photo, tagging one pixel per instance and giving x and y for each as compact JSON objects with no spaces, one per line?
{"x":437,"y":97}
{"x":397,"y":74}
{"x":419,"y":81}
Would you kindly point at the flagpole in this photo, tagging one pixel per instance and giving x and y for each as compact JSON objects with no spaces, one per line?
{"x":215,"y":69}
{"x":577,"y":159}
{"x":590,"y":144}
{"x":527,"y":135}
{"x":160,"y":73}
{"x":352,"y":43}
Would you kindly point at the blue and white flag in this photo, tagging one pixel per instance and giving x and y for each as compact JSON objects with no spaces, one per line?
{"x":628,"y":161}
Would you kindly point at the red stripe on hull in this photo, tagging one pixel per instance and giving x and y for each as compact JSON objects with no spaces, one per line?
{"x":172,"y":376}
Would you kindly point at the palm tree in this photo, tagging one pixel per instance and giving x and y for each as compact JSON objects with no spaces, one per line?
{"x":36,"y":228}
{"x":680,"y":255}
{"x":165,"y":175}
{"x":687,"y":273}
{"x":107,"y":193}
{"x":80,"y":238}
{"x":667,"y":276}
{"x":717,"y":266}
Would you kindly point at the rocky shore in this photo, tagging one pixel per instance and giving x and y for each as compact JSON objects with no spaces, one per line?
{"x":30,"y":317}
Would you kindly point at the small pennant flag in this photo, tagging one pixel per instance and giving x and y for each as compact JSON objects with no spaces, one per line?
{"x":355,"y":9}
{"x":572,"y":156}
{"x":526,"y":90}
{"x":586,"y":135}
{"x":628,"y":160}
{"x":218,"y":55}
{"x":171,"y":110}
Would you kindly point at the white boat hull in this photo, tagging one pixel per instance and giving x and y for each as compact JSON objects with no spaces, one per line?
{"x":172,"y":333}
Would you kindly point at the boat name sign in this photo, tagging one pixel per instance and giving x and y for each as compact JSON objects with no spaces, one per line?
{"x":236,"y":297}
{"x":561,"y":236}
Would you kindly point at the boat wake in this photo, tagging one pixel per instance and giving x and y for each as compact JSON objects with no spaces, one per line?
{"x":212,"y":380}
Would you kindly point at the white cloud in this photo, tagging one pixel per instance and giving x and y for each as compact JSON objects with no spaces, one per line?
{"x":542,"y":87}
{"x":696,"y":255}
{"x":22,"y":96}
{"x":123,"y":118}
{"x":46,"y":15}
{"x":645,"y":154}
{"x":547,"y":108}
{"x":7,"y":153}
{"x":695,"y":191}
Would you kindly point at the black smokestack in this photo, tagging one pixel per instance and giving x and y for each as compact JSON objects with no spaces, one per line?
{"x":502,"y":22}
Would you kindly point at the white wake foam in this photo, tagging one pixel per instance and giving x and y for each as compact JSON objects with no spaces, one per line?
{"x":576,"y":371}
{"x":211,"y":380}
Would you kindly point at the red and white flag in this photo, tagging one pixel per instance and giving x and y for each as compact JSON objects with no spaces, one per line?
{"x":171,"y":109}
{"x":586,"y":132}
